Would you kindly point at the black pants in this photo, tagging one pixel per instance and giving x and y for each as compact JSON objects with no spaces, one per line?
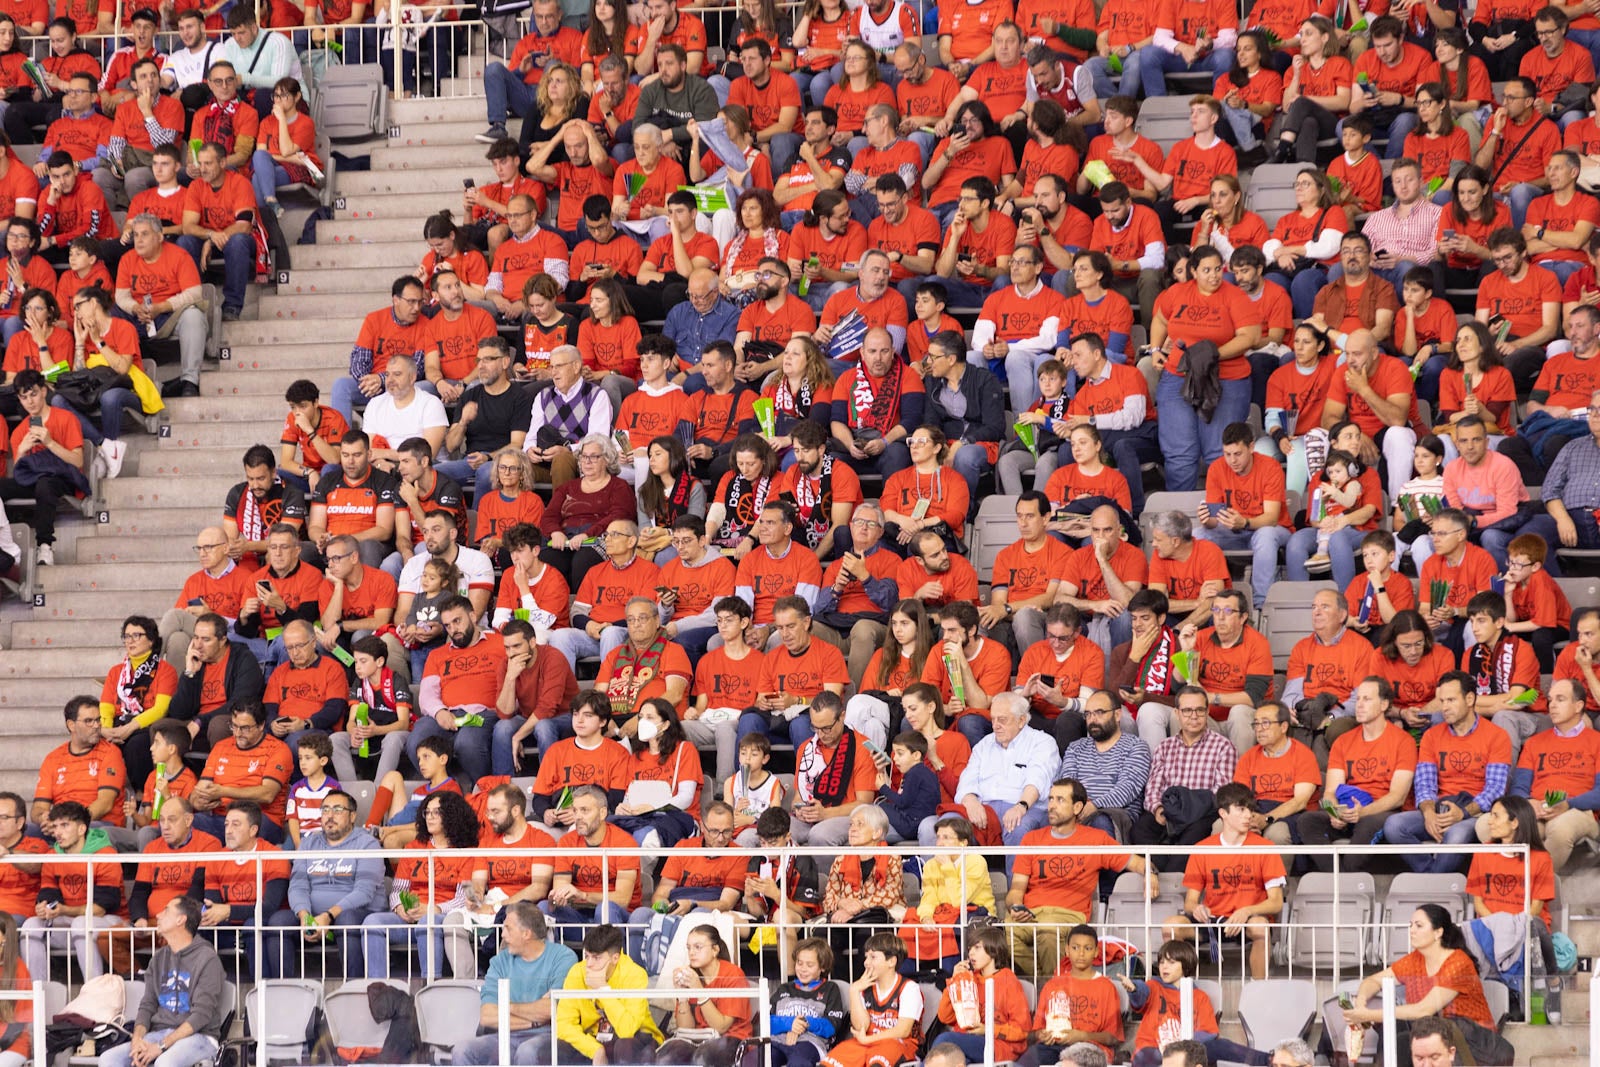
{"x":1524,"y":364}
{"x":1146,"y":831}
{"x":640,"y":1048}
{"x":573,"y":563}
{"x":1316,"y":828}
{"x":48,"y":493}
{"x":24,"y":115}
{"x":1309,"y":121}
{"x":1533,"y":462}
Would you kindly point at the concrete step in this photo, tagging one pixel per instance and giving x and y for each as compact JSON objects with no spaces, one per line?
{"x":434,"y":111}
{"x":1559,"y":1061}
{"x":23,"y":756}
{"x":305,"y":357}
{"x":388,"y":205}
{"x":418,"y":156}
{"x":151,"y":548}
{"x":27,"y":666}
{"x":168,"y":492}
{"x":339,"y":333}
{"x":368,"y":286}
{"x":391,"y":258}
{"x":1585,"y":934}
{"x":434,"y":180}
{"x":143,"y":579}
{"x":256,"y":384}
{"x":319,"y":307}
{"x":159,"y":463}
{"x":97,"y":611}
{"x":50,"y":694}
{"x":238,"y":435}
{"x":1567,"y":1039}
{"x":388,"y":228}
{"x":66,"y":634}
{"x":231,"y":409}
{"x":40,"y":720}
{"x":175,"y":522}
{"x":460,"y":132}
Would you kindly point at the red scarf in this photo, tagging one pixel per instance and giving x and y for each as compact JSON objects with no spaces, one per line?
{"x":744,"y":503}
{"x":634,"y":669}
{"x":1491,"y":667}
{"x":875,"y":405}
{"x":217,"y":123}
{"x":1155,"y":675}
{"x":381,"y":696}
{"x":815,"y":504}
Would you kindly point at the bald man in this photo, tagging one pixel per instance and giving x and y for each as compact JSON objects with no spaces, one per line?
{"x":220,"y":586}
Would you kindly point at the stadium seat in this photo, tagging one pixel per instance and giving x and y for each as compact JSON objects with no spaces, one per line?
{"x":350,"y":1021}
{"x":352,"y":102}
{"x":930,"y":1004}
{"x":1312,"y":915}
{"x":1271,"y":192}
{"x":1165,"y":120}
{"x":1156,"y":503}
{"x":447,"y":1014}
{"x":994,"y":528}
{"x":1276,"y":1009}
{"x":1499,"y":998}
{"x":363,"y":792}
{"x":1407,"y":893}
{"x":290,"y":1006}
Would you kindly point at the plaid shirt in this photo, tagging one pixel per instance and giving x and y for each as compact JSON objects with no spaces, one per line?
{"x":1207,"y":764}
{"x":1574,"y":477}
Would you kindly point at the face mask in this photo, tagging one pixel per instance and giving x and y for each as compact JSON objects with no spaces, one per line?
{"x":648,"y":730}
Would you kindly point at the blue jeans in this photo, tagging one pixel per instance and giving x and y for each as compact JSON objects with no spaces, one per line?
{"x":1589,"y":39}
{"x":756,"y":722}
{"x":973,"y":727}
{"x":1302,"y":289}
{"x":382,"y":929}
{"x":1129,"y":450}
{"x":527,"y":1047}
{"x":1518,"y":199}
{"x":1156,"y":63}
{"x":290,"y":942}
{"x":503,"y":89}
{"x":1407,"y":828}
{"x":547,"y":732}
{"x":238,"y":266}
{"x":1342,"y":548}
{"x":1562,"y":269}
{"x":500,"y":746}
{"x":472,"y":744}
{"x":113,"y":402}
{"x":267,"y":176}
{"x":1264,"y":544}
{"x":574,"y":919}
{"x":1107,"y":84}
{"x":196,"y":1048}
{"x":970,"y":462}
{"x":1187,"y":441}
{"x":461,"y":472}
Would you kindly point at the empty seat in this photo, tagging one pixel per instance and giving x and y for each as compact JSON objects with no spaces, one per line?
{"x":351,"y":101}
{"x":1276,"y":1009}
{"x":993,"y":529}
{"x":1271,"y":192}
{"x":1326,"y":933}
{"x":447,"y":1014}
{"x":1407,"y":893}
{"x":280,"y":1011}
{"x":1165,"y":120}
{"x":350,"y":1021}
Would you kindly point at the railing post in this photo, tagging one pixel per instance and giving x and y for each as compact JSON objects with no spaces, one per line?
{"x":988,"y":1021}
{"x":397,"y":52}
{"x":39,"y":1010}
{"x":1186,"y":1007}
{"x":1391,"y":1054}
{"x":502,"y":1026}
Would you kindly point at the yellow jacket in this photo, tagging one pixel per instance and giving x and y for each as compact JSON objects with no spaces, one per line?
{"x":577,"y":1020}
{"x":941,"y":884}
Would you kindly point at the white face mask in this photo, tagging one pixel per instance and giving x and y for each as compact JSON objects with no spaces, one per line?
{"x":648,"y":729}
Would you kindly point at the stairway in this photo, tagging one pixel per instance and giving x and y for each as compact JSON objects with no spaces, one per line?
{"x":172,"y":487}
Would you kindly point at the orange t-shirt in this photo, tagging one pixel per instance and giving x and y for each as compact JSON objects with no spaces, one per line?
{"x":19,"y":889}
{"x":762,"y":323}
{"x":568,"y":763}
{"x":1372,"y":765}
{"x":235,"y":768}
{"x":1193,"y":168}
{"x":1337,"y":668}
{"x":1091,"y":1005}
{"x":729,"y":683}
{"x":771,"y":577}
{"x":222,"y":206}
{"x":1248,"y":493}
{"x":1083,"y":665}
{"x":67,"y":776}
{"x":580,"y":862}
{"x":1501,"y":879}
{"x":1273,"y":778}
{"x":1463,"y":760}
{"x":607,"y":589}
{"x":991,"y":667}
{"x":235,"y":883}
{"x":1466,"y":579}
{"x":1027,"y":574}
{"x":1414,"y":687}
{"x":1520,"y":303}
{"x":1183,"y":579}
{"x":172,"y":273}
{"x":918,"y":232}
{"x":300,"y":694}
{"x":655,"y":188}
{"x":805,"y":675}
{"x":170,"y":879}
{"x":1193,"y":316}
{"x":1228,"y":670}
{"x":1084,"y":574}
{"x":1228,"y":881}
{"x":471,"y":675}
{"x":674,"y":662}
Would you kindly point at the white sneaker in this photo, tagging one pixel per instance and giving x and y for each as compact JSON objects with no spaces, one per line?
{"x":113,"y":452}
{"x":46,"y":556}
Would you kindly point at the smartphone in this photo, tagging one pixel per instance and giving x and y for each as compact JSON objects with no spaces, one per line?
{"x":766,"y":870}
{"x":1449,"y":235}
{"x":1047,"y":680}
{"x":264,"y":588}
{"x":1214,"y":510}
{"x":921,"y":510}
{"x":467,"y":183}
{"x":197,"y":603}
{"x":36,"y":420}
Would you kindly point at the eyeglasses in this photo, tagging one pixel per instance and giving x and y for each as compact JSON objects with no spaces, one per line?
{"x":1191,"y":711}
{"x":1264,"y":724}
{"x":248,"y":728}
{"x":210,"y":548}
{"x":591,"y":455}
{"x":340,"y":809}
{"x":339,"y":558}
{"x":1224,"y":611}
{"x":617,"y":533}
{"x":1057,"y":637}
{"x":865,"y":524}
{"x":138,"y":635}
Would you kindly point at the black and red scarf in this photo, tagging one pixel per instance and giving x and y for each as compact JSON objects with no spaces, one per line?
{"x":217,"y":123}
{"x":1155,"y":675}
{"x":1491,"y":667}
{"x":830,"y":786}
{"x":815,"y":505}
{"x":876,"y":406}
{"x":133,"y":688}
{"x":635,"y":668}
{"x":744,"y":503}
{"x":381,"y":698}
{"x":677,"y":503}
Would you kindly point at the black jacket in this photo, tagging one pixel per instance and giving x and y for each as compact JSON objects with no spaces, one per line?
{"x":242,"y":683}
{"x":986,"y":407}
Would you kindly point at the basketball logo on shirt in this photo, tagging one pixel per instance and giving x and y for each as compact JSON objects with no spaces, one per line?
{"x":1555,"y":761}
{"x":1269,"y":785}
{"x":1366,"y":769}
{"x":1320,"y":675}
{"x":1230,"y":877}
{"x":1504,"y":887}
{"x":1456,"y":762}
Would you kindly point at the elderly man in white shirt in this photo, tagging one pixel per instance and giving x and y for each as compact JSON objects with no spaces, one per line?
{"x":1008,"y":772}
{"x":401,"y":411}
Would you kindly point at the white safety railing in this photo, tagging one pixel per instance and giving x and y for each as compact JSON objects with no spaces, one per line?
{"x":33,"y":995}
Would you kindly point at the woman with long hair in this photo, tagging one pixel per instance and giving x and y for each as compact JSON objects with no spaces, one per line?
{"x":741,"y":495}
{"x":1296,"y":393}
{"x":1464,"y":228}
{"x":963,"y":1007}
{"x":609,"y":341}
{"x":896,"y":664}
{"x":426,"y":888}
{"x":975,"y":147}
{"x":801,"y":389}
{"x":137,"y":690}
{"x":820,"y":36}
{"x":759,"y":19}
{"x":759,"y":235}
{"x":1305,"y":242}
{"x":1413,"y":662}
{"x":927,"y":479}
{"x":1317,"y":93}
{"x":752,"y":170}
{"x":14,"y":978}
{"x":1439,"y":979}
{"x":668,"y":493}
{"x":1226,"y":224}
{"x":510,"y":502}
{"x":1437,"y":143}
{"x":605,"y":34}
{"x":1465,"y":78}
{"x":710,"y":967}
{"x":1054,"y":147}
{"x":1087,"y":475}
{"x":1251,"y":94}
{"x":448,"y":250}
{"x":948,"y":750}
{"x":661,"y":753}
{"x":286,"y":147}
{"x":559,"y":98}
{"x":1475,"y":382}
{"x":1499,"y":881}
{"x":854,"y":94}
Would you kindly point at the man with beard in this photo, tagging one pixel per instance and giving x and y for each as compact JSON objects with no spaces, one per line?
{"x":421,"y":490}
{"x":823,"y":490}
{"x":774,"y":316}
{"x":539,"y":686}
{"x":877,"y":404}
{"x":935,"y":577}
{"x":676,"y":96}
{"x":230,"y":890}
{"x":773,"y":99}
{"x":1049,"y":892}
{"x":908,"y":232}
{"x":721,"y":410}
{"x":1112,"y":763}
{"x":871,"y":300}
{"x":820,"y":165}
{"x":775,"y":568}
{"x":324,"y":894}
{"x":579,"y":893}
{"x":247,"y":765}
{"x":257,"y":504}
{"x":441,"y":537}
{"x":495,"y":412}
{"x":462,"y":679}
{"x":451,"y":361}
{"x":693,"y":886}
{"x":835,"y":240}
{"x":395,"y":332}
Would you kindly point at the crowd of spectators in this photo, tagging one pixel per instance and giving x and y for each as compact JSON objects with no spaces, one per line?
{"x":721,"y":450}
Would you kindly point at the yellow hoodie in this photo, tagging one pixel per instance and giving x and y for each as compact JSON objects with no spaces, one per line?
{"x":577,"y":1020}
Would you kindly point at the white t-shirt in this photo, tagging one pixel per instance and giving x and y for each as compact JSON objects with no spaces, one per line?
{"x":189,"y":68}
{"x":394,"y":425}
{"x":476,"y":571}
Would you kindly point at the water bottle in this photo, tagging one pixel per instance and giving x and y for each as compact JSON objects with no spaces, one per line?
{"x":150,"y":324}
{"x":363,"y":715}
{"x":805,"y":279}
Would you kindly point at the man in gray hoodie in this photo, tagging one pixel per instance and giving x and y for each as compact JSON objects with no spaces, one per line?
{"x":325,"y":893}
{"x":180,"y":1018}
